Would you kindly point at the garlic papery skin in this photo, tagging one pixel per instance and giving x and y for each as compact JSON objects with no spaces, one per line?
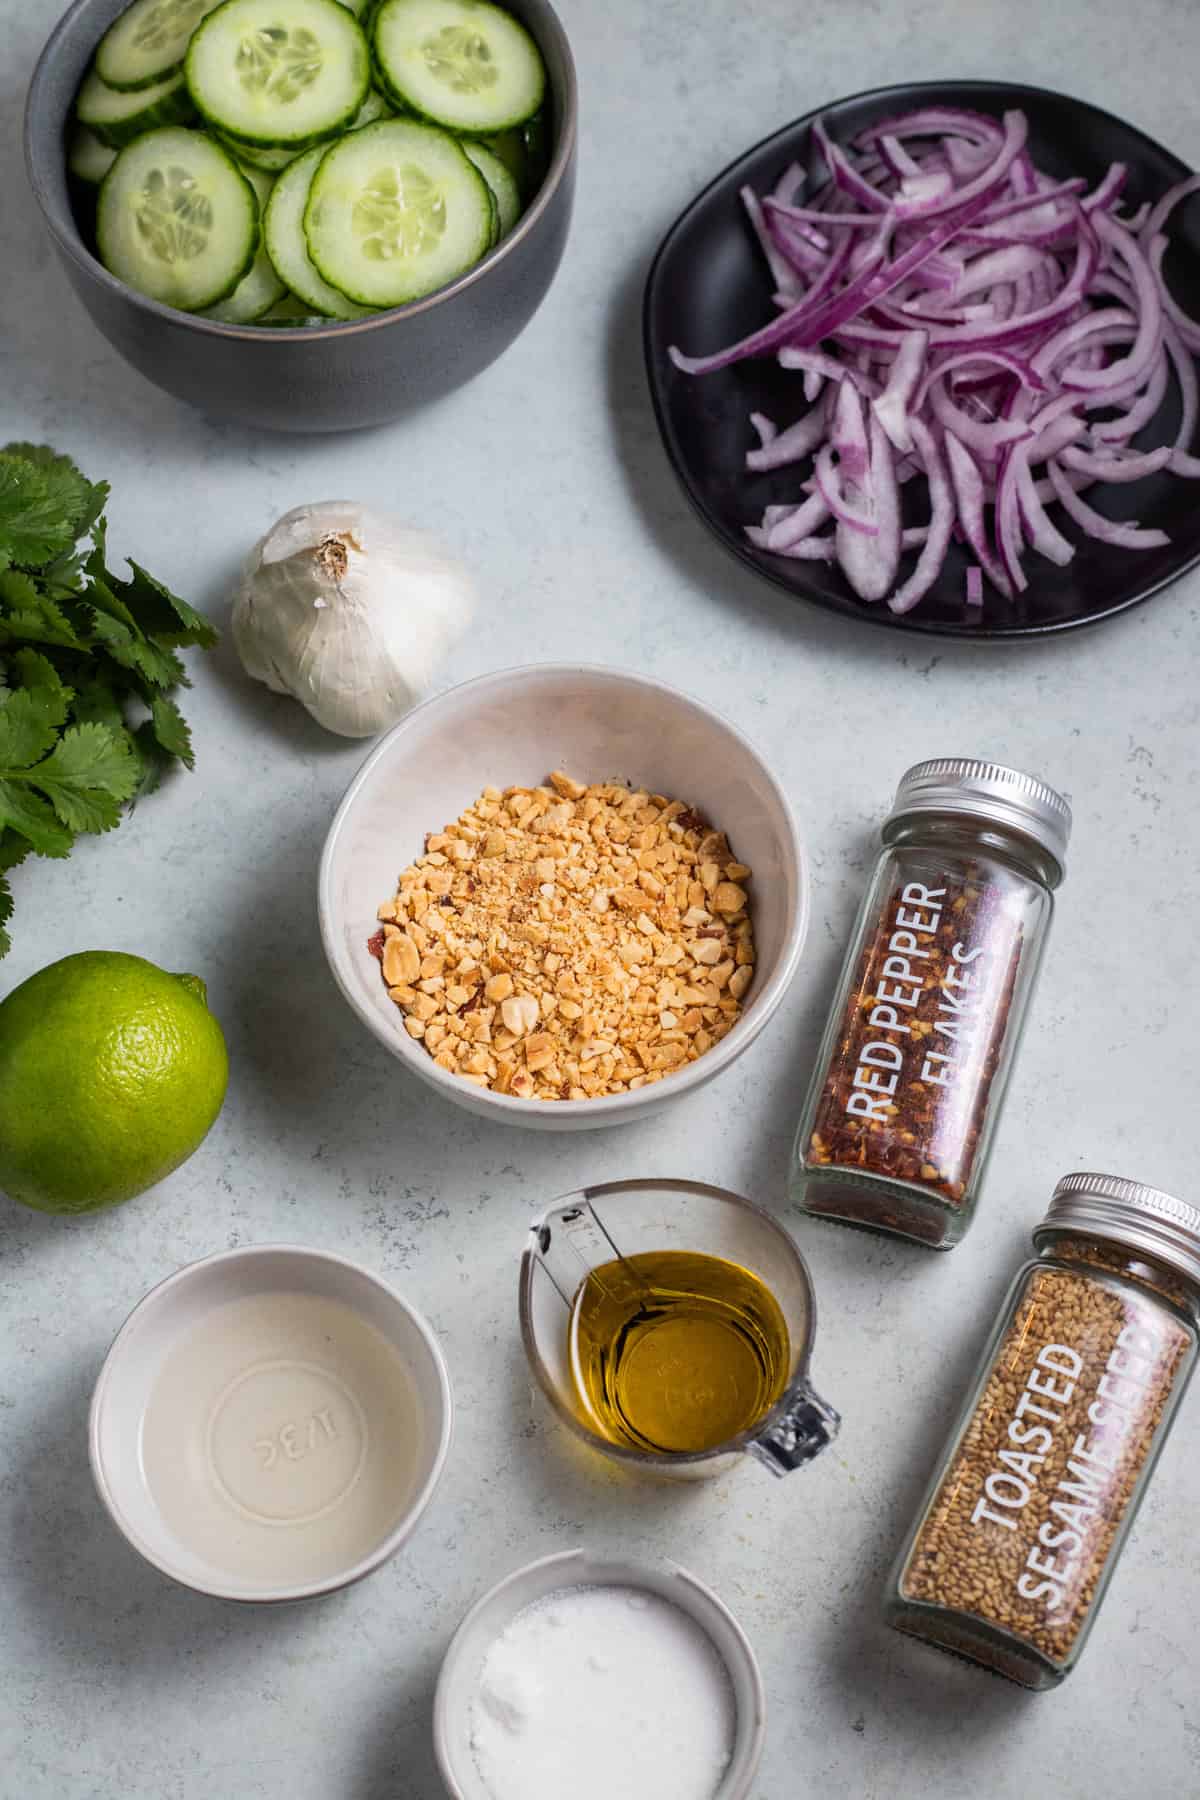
{"x":350,"y":612}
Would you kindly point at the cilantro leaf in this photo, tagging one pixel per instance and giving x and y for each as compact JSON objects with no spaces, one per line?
{"x":153,"y":760}
{"x":78,"y":646}
{"x":29,"y":725}
{"x":34,"y":616}
{"x":37,"y":507}
{"x":86,"y":499}
{"x":170,"y":729}
{"x":96,"y":702}
{"x":163,"y":614}
{"x":36,"y":671}
{"x":90,"y":771}
{"x":161,"y":668}
{"x":34,"y":818}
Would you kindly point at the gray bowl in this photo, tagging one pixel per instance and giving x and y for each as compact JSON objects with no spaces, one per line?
{"x":333,"y":377}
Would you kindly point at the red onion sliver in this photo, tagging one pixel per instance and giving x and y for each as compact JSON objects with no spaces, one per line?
{"x":1130,"y":466}
{"x":1127,"y":537}
{"x":891,"y":406}
{"x":941,"y":524}
{"x":941,"y":275}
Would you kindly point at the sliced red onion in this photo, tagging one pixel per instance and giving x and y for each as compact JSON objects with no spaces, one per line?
{"x":1127,"y":466}
{"x":790,"y":446}
{"x":1161,"y":211}
{"x":1182,"y":463}
{"x":1149,"y":311}
{"x":986,"y":312}
{"x":782,"y":272}
{"x":800,"y":522}
{"x":941,"y":524}
{"x":870,"y":561}
{"x":967,"y":480}
{"x":1043,"y":534}
{"x":1108,"y":191}
{"x":840,"y":499}
{"x":891,"y":406}
{"x":1127,"y":537}
{"x":1187,"y":327}
{"x":1126,"y":424}
{"x":984,"y":440}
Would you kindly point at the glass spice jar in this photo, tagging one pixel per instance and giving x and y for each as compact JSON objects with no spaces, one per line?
{"x":916,"y":1056}
{"x":1024,"y":1521}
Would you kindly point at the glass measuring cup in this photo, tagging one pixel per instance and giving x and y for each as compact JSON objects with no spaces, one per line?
{"x":582,"y":1231}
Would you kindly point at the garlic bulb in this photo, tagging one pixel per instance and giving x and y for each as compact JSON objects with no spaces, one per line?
{"x":350,"y":612}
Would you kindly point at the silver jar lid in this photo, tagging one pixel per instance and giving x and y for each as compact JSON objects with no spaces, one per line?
{"x":1139,"y":1218}
{"x":990,"y":793}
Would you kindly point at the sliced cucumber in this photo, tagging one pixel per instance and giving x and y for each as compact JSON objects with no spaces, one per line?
{"x":283,"y":230}
{"x":255,"y":156}
{"x":396,"y":210}
{"x":291,"y":314}
{"x":87,"y":158}
{"x":503,"y":187}
{"x":255,"y":294}
{"x":177,"y":219}
{"x":279,"y":72}
{"x":148,"y":41}
{"x":261,"y":289}
{"x":118,"y":118}
{"x":465,"y":64}
{"x":373,"y":107}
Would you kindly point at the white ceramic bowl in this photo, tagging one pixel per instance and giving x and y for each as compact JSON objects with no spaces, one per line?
{"x":269,"y":1421}
{"x":513,"y":728}
{"x":459,"y":1679}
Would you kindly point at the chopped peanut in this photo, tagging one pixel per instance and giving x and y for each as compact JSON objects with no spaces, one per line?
{"x":566,"y":942}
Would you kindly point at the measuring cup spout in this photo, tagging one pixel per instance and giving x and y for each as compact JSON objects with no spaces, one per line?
{"x":806,"y":1428}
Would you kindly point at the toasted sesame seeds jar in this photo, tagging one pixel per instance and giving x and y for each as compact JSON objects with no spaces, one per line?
{"x":937,"y":980}
{"x":1024,"y":1521}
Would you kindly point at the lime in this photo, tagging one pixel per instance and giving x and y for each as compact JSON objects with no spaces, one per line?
{"x":111,"y":1073}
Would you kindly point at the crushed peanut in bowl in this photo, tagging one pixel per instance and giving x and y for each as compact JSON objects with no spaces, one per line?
{"x":567,"y":942}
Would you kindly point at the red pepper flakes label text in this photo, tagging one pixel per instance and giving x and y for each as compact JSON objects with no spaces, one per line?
{"x":906,"y":1092}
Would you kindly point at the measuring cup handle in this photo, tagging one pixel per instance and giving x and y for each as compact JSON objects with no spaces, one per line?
{"x":808,"y":1426}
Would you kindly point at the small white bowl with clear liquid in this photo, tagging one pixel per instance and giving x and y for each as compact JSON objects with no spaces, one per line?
{"x":270,"y":1423}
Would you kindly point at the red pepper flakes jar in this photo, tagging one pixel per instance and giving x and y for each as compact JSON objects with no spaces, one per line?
{"x":916,"y":1056}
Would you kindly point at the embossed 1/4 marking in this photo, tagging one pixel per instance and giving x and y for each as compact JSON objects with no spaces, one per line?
{"x":294,"y":1441}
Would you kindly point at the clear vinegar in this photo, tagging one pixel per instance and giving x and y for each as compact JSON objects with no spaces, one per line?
{"x":676,"y":1352}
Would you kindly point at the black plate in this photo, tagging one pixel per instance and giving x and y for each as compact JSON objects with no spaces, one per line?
{"x":707,"y":287}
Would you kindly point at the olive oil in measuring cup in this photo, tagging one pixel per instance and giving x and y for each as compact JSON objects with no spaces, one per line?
{"x":676,"y":1351}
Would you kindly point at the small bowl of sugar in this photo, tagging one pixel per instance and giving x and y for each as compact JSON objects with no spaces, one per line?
{"x":596,"y":1676}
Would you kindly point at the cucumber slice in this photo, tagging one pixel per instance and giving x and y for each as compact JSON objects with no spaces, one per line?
{"x":465,"y":64}
{"x":396,"y":210}
{"x":373,"y":107}
{"x":148,"y":41}
{"x":255,"y":294}
{"x":291,"y":314}
{"x":283,"y":230}
{"x":261,"y":289}
{"x":177,"y":219}
{"x":118,"y":118}
{"x":279,"y":72}
{"x":255,"y":156}
{"x":503,"y":187}
{"x":87,"y":158}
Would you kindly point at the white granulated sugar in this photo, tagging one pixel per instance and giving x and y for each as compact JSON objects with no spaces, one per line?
{"x":603,"y":1693}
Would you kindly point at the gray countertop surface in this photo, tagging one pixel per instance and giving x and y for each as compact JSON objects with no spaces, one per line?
{"x":548,"y":475}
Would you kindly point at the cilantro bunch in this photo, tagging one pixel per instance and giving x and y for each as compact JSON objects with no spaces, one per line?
{"x":88,"y":664}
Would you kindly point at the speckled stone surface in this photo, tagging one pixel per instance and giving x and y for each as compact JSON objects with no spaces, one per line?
{"x":115,"y":1685}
